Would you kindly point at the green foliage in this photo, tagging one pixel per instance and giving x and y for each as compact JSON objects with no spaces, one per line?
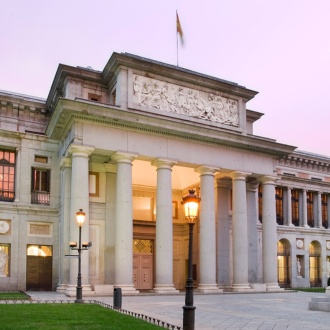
{"x":66,"y":317}
{"x":15,"y":295}
{"x":320,"y":290}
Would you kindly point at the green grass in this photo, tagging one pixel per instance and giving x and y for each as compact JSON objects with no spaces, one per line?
{"x":66,"y":317}
{"x":17,"y":295}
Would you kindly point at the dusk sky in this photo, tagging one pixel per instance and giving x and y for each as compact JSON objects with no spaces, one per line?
{"x":280,"y":48}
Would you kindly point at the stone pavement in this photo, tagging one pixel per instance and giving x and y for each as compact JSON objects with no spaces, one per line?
{"x":232,"y":311}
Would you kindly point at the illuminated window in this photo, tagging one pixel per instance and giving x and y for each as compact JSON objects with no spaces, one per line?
{"x":324,"y":199}
{"x":39,"y":250}
{"x":4,"y":260}
{"x":279,"y":205}
{"x":310,"y":209}
{"x":295,"y":207}
{"x":7,"y":175}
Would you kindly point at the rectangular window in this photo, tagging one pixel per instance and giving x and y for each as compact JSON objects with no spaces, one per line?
{"x":310,"y":209}
{"x":4,"y":260}
{"x":324,"y":199}
{"x":279,"y":205}
{"x":40,"y":186}
{"x":295,"y":207}
{"x":7,"y":175}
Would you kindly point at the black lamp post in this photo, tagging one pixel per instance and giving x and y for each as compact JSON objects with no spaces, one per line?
{"x":81,"y":246}
{"x":191,"y":203}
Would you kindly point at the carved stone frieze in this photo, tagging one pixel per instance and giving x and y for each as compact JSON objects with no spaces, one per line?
{"x":157,"y":94}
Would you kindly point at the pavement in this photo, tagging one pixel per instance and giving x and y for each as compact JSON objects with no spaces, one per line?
{"x":232,"y":311}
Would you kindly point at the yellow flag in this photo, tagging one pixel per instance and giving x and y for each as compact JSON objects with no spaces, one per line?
{"x":179,"y":28}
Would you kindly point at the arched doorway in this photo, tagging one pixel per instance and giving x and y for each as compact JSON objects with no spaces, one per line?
{"x":283,"y":263}
{"x":39,"y":264}
{"x":315,"y":264}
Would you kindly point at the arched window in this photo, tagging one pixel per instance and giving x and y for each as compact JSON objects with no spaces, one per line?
{"x":315,"y":264}
{"x":283,"y":263}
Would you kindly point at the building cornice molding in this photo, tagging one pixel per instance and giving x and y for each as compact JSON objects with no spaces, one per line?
{"x":81,"y":110}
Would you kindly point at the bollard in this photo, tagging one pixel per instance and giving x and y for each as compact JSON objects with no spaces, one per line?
{"x":117,"y":298}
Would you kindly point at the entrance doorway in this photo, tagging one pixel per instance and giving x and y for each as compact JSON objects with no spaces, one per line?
{"x":39,"y":264}
{"x":143,"y":264}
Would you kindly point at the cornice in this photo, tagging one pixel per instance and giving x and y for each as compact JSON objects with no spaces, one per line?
{"x":68,"y":111}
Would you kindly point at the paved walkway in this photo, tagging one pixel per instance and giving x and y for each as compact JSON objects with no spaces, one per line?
{"x":262,"y":311}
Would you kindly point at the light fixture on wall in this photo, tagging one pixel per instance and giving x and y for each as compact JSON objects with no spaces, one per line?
{"x":191,"y":204}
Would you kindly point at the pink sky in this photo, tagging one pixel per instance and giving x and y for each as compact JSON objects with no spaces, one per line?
{"x":279,"y":48}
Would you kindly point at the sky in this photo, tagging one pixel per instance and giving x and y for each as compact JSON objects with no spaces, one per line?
{"x":279,"y":48}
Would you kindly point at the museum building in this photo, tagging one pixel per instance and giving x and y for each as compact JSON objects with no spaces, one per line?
{"x":125,"y":145}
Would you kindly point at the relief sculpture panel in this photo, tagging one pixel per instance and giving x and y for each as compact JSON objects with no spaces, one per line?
{"x":157,"y":94}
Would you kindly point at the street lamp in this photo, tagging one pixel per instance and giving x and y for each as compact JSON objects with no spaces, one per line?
{"x":191,"y":203}
{"x":81,"y":246}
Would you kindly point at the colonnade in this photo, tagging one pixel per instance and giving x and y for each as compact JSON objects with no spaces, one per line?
{"x":303,"y":213}
{"x":77,"y":196}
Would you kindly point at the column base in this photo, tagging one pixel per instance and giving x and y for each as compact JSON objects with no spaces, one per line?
{"x":71,"y":290}
{"x":61,"y":288}
{"x":127,"y":289}
{"x":165,"y":289}
{"x":240,"y":288}
{"x":273,"y":287}
{"x":327,"y":290}
{"x":209,"y":288}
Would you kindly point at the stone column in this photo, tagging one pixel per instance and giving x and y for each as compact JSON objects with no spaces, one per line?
{"x":289,"y":208}
{"x":64,"y":225}
{"x":304,"y":208}
{"x":124,"y":223}
{"x":207,"y":234}
{"x":110,"y":222}
{"x":319,"y":210}
{"x":223,"y":234}
{"x":240,"y":239}
{"x":79,"y":200}
{"x":164,"y":227}
{"x":255,"y":269}
{"x":269,"y":233}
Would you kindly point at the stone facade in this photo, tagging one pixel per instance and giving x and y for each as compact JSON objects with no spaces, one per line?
{"x":125,"y":145}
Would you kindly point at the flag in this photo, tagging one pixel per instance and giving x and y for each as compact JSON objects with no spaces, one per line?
{"x":179,"y":28}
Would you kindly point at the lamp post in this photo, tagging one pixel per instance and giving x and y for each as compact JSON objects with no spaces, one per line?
{"x":80,"y":217}
{"x":191,"y":203}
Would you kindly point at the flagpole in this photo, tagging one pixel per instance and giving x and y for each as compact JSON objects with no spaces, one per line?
{"x":177,"y":42}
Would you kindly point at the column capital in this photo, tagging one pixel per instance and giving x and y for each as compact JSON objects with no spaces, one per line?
{"x":123,"y":157}
{"x":163,"y":163}
{"x":206,"y":170}
{"x":80,"y":150}
{"x":252,"y":186}
{"x":65,"y":162}
{"x":268,"y":179}
{"x":237,"y":175}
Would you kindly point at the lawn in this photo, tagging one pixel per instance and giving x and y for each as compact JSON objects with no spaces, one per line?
{"x":15,"y":295}
{"x":66,"y":317}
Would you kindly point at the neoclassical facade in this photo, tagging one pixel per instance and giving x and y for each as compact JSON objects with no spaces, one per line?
{"x":125,"y":145}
